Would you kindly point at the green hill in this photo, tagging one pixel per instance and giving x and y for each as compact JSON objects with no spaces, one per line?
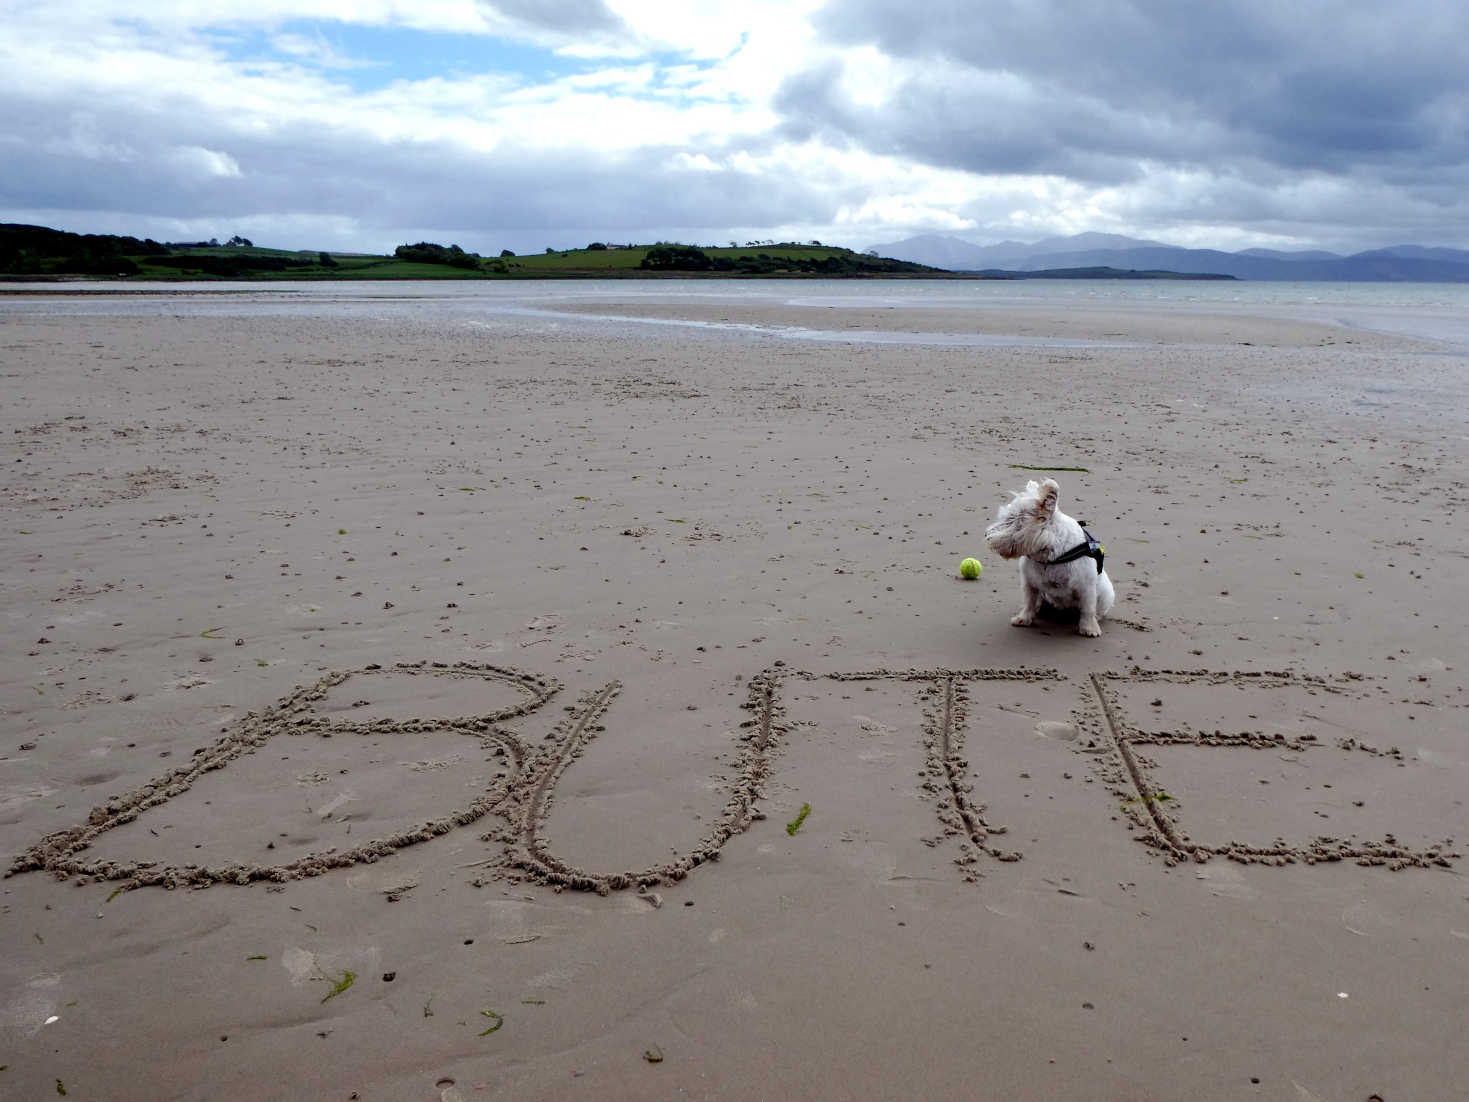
{"x":26,"y":250}
{"x":38,"y":251}
{"x":666,"y":259}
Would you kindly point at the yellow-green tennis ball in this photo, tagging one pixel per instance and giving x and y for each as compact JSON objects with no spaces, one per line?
{"x":969,"y":569}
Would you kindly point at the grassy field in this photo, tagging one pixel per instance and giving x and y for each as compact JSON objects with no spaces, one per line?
{"x":575,"y":260}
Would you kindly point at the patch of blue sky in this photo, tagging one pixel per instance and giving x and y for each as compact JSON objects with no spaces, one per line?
{"x":369,"y":58}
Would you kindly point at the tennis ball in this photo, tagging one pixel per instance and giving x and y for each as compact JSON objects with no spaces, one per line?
{"x":969,"y":569}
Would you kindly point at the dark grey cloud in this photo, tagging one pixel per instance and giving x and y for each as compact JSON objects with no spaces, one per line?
{"x":1319,"y":85}
{"x":168,"y":168}
{"x":993,"y":123}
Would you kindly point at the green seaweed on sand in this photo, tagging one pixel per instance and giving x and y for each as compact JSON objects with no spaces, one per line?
{"x":795,"y":824}
{"x":496,"y":1021}
{"x":209,"y":634}
{"x":262,"y":956}
{"x":116,"y":892}
{"x":1028,"y":467}
{"x":338,"y":986}
{"x":1156,"y":797}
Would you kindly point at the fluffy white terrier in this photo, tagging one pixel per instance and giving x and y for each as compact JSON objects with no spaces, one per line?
{"x":1060,"y":562}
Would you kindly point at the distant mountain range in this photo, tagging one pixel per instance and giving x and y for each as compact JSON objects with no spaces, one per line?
{"x":1399,"y":263}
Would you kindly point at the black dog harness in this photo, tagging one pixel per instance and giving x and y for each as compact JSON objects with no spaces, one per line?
{"x":1088,"y":548}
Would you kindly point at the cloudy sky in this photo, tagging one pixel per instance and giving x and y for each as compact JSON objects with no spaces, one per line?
{"x":522,"y":124}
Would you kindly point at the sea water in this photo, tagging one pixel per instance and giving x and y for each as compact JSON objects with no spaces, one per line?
{"x":1431,"y":311}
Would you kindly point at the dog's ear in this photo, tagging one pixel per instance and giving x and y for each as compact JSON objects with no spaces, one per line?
{"x":1049,"y":493}
{"x":1033,"y":488}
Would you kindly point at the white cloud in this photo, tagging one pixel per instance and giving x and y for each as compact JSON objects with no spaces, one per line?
{"x":448,"y":16}
{"x":316,"y":49}
{"x":196,"y":162}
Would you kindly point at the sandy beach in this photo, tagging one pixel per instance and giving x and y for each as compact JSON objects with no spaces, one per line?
{"x":399,"y":710}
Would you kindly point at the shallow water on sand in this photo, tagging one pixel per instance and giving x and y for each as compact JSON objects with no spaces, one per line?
{"x":1431,"y":311}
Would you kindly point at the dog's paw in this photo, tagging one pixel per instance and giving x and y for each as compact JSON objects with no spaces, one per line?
{"x":1022,"y":620}
{"x":1091,"y":630}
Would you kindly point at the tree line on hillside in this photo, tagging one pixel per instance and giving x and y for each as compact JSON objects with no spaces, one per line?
{"x":691,"y":258}
{"x":34,"y":249}
{"x":40,"y":250}
{"x":426,"y":252}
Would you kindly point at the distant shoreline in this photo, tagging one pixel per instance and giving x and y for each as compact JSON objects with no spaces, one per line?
{"x":41,"y":253}
{"x":1097,"y":273}
{"x":616,"y":274}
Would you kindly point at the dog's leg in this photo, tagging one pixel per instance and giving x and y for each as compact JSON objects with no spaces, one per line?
{"x":1026,"y":616}
{"x":1087,"y":624}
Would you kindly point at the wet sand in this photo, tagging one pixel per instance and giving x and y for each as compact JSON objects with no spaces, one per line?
{"x":593,"y":709}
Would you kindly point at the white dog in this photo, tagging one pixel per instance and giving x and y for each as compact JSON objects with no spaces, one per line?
{"x":1060,"y":562}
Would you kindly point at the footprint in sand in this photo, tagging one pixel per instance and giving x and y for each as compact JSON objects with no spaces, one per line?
{"x":1367,"y":919}
{"x":1053,"y":729}
{"x":32,"y":1009}
{"x":1227,"y":881}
